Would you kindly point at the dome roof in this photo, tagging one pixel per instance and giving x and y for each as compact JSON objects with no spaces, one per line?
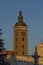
{"x":20,"y":20}
{"x":20,"y":24}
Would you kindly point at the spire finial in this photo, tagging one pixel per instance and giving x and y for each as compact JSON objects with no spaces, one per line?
{"x":20,"y":17}
{"x":20,"y":13}
{"x":35,"y":48}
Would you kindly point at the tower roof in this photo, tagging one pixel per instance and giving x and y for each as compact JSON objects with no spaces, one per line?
{"x":20,"y":20}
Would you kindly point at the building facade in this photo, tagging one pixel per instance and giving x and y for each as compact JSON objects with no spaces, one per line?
{"x":40,"y":52}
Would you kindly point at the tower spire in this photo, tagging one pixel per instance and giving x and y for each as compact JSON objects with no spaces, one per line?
{"x":20,"y":21}
{"x":20,"y":13}
{"x":36,"y":57}
{"x":20,"y":17}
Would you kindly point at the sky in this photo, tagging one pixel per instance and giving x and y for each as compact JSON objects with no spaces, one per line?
{"x":33,"y":16}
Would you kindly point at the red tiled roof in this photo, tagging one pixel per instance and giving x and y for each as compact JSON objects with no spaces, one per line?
{"x":9,"y":52}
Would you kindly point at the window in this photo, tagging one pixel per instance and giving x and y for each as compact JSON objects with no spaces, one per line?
{"x":22,"y":39}
{"x":23,"y":33}
{"x":23,"y":53}
{"x":19,"y":61}
{"x":16,"y":53}
{"x":22,"y":61}
{"x":22,"y":46}
{"x":16,"y":47}
{"x":16,"y":39}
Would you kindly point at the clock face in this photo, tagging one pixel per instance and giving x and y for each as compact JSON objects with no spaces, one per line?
{"x":23,"y":33}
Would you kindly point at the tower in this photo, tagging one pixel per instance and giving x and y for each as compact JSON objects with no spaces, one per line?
{"x":20,"y":37}
{"x":36,"y":57}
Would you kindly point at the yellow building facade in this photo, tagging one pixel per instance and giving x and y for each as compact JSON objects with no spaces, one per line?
{"x":40,"y":52}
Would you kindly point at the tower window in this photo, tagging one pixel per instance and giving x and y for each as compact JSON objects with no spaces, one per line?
{"x":22,"y":39}
{"x":22,"y":46}
{"x":23,"y":53}
{"x":16,"y":39}
{"x":16,"y":53}
{"x":16,"y":47}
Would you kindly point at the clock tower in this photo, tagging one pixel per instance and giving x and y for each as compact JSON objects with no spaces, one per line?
{"x":20,"y":37}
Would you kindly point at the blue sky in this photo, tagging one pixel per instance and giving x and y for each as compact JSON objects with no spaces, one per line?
{"x":33,"y":17}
